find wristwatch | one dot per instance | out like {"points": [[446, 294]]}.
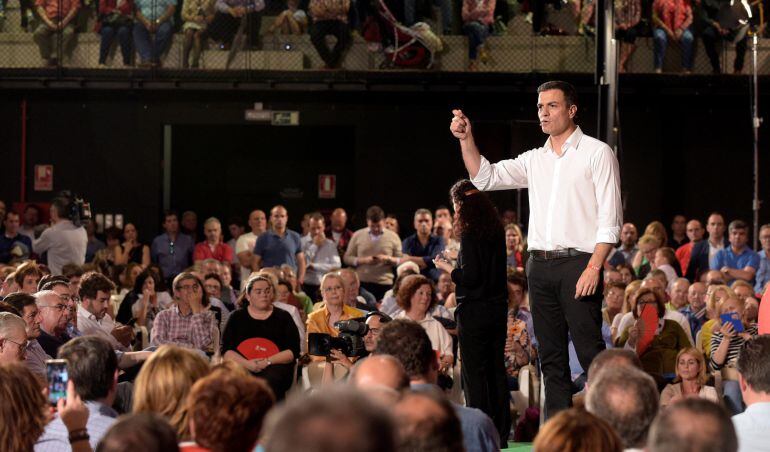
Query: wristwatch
{"points": [[269, 363]]}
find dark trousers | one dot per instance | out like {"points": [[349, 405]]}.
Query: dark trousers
{"points": [[125, 39], [555, 312], [482, 330], [338, 29], [312, 291]]}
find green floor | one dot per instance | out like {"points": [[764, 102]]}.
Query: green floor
{"points": [[519, 447]]}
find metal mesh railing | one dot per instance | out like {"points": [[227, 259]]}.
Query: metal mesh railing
{"points": [[208, 37]]}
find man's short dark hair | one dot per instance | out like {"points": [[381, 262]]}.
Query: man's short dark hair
{"points": [[19, 300], [335, 419], [693, 425], [428, 433], [170, 213], [91, 364], [148, 432], [753, 363], [236, 220], [613, 356], [517, 278], [570, 93], [71, 270], [375, 214], [737, 225], [627, 399], [93, 282], [408, 342]]}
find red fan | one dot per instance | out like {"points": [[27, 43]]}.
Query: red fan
{"points": [[649, 320], [257, 348]]}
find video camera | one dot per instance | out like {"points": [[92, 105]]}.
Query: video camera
{"points": [[350, 340], [76, 209]]}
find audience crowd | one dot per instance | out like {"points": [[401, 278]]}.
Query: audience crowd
{"points": [[147, 27], [332, 339]]}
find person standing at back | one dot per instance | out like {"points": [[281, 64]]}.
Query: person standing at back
{"points": [[575, 219]]}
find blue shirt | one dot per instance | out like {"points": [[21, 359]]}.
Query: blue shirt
{"points": [[479, 432], [763, 274], [173, 257], [276, 250], [434, 247], [695, 322], [153, 9], [753, 428], [20, 241], [55, 438], [726, 257]]}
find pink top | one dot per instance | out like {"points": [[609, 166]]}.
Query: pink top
{"points": [[479, 11]]}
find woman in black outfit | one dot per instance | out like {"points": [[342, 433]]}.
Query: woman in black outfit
{"points": [[481, 294]]}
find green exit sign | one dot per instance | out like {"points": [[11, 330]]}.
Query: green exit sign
{"points": [[285, 118]]}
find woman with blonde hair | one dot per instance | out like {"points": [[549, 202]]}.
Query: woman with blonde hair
{"points": [[690, 379], [657, 229], [515, 247], [164, 382], [628, 295], [715, 294], [575, 430]]}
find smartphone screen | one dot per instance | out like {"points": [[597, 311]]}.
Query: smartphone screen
{"points": [[56, 372]]}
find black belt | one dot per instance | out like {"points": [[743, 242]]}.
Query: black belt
{"points": [[556, 254]]}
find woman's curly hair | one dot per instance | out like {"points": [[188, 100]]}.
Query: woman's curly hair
{"points": [[477, 214], [409, 287]]}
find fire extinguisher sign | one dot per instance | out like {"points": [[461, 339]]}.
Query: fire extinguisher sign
{"points": [[327, 186]]}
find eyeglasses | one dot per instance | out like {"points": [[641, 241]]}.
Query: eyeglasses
{"points": [[58, 307], [333, 288], [65, 298], [23, 345], [194, 287]]}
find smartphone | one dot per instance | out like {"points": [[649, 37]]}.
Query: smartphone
{"points": [[57, 375]]}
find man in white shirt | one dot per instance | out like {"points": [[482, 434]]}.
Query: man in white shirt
{"points": [[244, 246], [753, 425], [65, 242], [93, 319], [575, 220]]}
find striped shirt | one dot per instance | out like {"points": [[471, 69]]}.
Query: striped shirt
{"points": [[736, 342]]}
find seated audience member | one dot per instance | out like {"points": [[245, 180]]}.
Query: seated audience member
{"points": [[188, 323], [330, 17], [292, 21], [195, 14], [284, 294], [165, 381], [131, 250], [226, 410], [657, 286], [726, 345], [684, 253], [144, 301], [355, 295], [627, 16], [518, 344], [627, 399], [228, 295], [625, 253], [275, 275], [389, 303], [715, 295], [659, 358], [737, 261], [517, 297], [677, 294], [381, 377], [627, 274], [375, 321], [64, 242], [763, 273], [614, 296], [321, 256], [666, 261], [417, 299], [146, 432], [172, 250], [116, 18], [263, 339], [391, 223], [444, 287], [611, 358], [426, 421], [93, 368], [229, 17], [574, 430], [410, 344], [153, 29], [212, 284], [289, 275], [93, 318], [373, 251], [643, 259], [213, 247], [244, 246], [27, 276], [693, 425], [60, 286], [34, 355], [422, 246], [478, 17], [13, 244], [656, 229], [334, 419], [24, 412], [742, 289], [54, 315], [753, 425], [515, 247], [695, 309], [280, 245], [338, 230], [690, 379], [13, 338], [56, 24]]}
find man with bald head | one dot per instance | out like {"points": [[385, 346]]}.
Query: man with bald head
{"points": [[244, 246], [280, 245], [677, 294], [695, 310], [408, 342], [694, 230], [693, 424], [624, 254], [338, 230], [382, 377], [54, 312]]}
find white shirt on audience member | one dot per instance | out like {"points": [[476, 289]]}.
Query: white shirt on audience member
{"points": [[88, 324], [753, 428]]}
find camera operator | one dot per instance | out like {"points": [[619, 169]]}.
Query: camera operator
{"points": [[375, 320], [66, 240]]}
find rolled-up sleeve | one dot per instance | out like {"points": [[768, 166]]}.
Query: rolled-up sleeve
{"points": [[503, 175], [606, 179]]}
